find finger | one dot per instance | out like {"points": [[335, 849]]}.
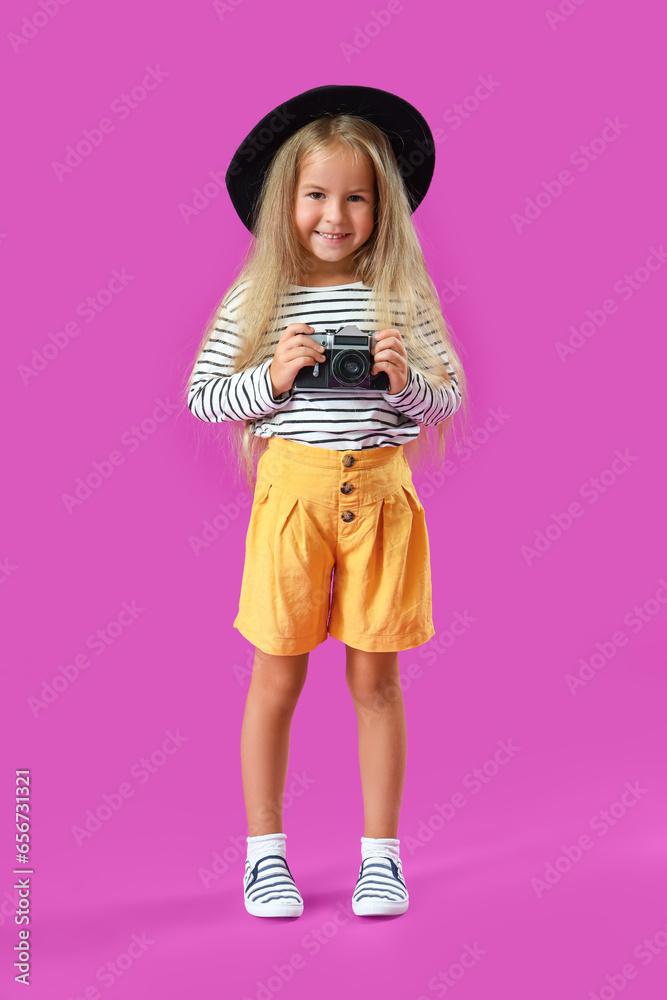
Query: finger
{"points": [[388, 339], [387, 364], [301, 341], [303, 352], [396, 348], [294, 329]]}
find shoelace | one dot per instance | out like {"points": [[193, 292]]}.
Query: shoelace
{"points": [[380, 878], [270, 880]]}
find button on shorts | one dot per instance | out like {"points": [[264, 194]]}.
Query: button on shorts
{"points": [[336, 545]]}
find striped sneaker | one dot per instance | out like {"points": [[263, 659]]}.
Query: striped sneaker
{"points": [[380, 888], [269, 889]]}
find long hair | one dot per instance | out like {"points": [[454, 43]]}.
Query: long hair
{"points": [[391, 262]]}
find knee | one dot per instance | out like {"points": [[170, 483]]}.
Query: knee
{"points": [[280, 678], [374, 694], [283, 691], [373, 678]]}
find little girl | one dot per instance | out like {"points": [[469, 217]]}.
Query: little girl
{"points": [[337, 541]]}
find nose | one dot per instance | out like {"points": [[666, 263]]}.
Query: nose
{"points": [[336, 210]]}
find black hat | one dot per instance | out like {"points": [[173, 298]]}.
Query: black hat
{"points": [[410, 137]]}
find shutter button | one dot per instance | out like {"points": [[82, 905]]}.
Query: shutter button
{"points": [[346, 488], [348, 460], [347, 515]]}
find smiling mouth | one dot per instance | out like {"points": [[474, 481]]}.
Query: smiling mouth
{"points": [[332, 237]]}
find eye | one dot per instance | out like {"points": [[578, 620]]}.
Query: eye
{"points": [[316, 194]]}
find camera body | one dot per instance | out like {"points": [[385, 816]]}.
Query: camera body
{"points": [[346, 364]]}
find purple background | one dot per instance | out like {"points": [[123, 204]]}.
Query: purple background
{"points": [[178, 666]]}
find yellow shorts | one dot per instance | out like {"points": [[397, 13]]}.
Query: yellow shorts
{"points": [[336, 545]]}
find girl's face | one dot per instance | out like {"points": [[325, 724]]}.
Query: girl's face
{"points": [[334, 195]]}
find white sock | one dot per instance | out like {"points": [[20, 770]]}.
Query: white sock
{"points": [[266, 843], [373, 847]]}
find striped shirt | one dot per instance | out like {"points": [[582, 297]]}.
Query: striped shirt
{"points": [[341, 419]]}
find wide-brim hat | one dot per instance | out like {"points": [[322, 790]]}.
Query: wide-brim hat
{"points": [[407, 130]]}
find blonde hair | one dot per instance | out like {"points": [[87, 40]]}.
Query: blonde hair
{"points": [[391, 262]]}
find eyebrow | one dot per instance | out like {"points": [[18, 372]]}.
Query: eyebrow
{"points": [[318, 187]]}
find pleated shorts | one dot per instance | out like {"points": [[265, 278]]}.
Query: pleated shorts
{"points": [[336, 545]]}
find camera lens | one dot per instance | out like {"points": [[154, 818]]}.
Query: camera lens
{"points": [[350, 367]]}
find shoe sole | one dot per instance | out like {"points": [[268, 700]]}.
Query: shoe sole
{"points": [[379, 907], [275, 909]]}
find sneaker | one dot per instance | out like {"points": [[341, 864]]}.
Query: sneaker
{"points": [[269, 889], [380, 888]]}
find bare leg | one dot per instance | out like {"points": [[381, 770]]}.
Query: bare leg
{"points": [[373, 680], [275, 686]]}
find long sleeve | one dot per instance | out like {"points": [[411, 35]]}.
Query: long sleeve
{"points": [[216, 393], [421, 400]]}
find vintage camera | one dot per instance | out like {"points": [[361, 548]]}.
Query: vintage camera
{"points": [[346, 364]]}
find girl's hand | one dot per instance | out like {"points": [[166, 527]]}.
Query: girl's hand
{"points": [[390, 355], [294, 350]]}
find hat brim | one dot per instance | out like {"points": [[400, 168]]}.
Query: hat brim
{"points": [[407, 130]]}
